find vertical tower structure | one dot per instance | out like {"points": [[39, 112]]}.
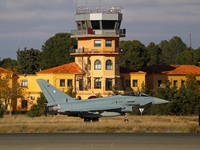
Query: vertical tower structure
{"points": [[98, 33]]}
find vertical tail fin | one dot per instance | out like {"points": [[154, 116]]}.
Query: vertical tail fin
{"points": [[52, 94]]}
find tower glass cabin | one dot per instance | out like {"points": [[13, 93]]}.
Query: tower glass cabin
{"points": [[98, 32]]}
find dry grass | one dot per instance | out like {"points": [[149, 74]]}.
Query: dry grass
{"points": [[136, 124]]}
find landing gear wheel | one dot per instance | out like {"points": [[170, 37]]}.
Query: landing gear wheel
{"points": [[125, 120], [87, 119], [95, 119]]}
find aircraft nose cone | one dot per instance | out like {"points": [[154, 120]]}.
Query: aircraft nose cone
{"points": [[159, 101]]}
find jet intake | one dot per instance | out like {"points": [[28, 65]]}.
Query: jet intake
{"points": [[127, 109]]}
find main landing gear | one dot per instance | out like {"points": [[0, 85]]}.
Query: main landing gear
{"points": [[126, 118], [93, 119]]}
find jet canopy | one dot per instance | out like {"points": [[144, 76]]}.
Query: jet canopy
{"points": [[135, 93]]}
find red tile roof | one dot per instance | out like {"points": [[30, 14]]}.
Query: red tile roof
{"points": [[2, 70], [128, 70], [172, 69], [67, 68]]}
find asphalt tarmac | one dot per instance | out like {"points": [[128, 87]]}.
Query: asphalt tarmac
{"points": [[93, 141]]}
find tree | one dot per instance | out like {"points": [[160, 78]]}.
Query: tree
{"points": [[8, 63], [171, 50], [39, 108], [153, 52], [70, 92], [56, 50], [115, 91], [186, 100], [9, 89], [184, 58], [2, 109], [135, 52], [196, 57], [28, 60]]}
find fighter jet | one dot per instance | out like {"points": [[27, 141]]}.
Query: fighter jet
{"points": [[93, 109]]}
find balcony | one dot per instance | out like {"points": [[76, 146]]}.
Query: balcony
{"points": [[97, 33], [94, 51]]}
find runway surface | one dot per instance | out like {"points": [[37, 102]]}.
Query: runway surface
{"points": [[73, 141]]}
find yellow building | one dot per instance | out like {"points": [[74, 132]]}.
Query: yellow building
{"points": [[61, 77], [158, 75], [11, 78]]}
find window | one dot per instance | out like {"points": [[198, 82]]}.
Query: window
{"points": [[127, 83], [97, 83], [116, 43], [116, 65], [175, 83], [81, 84], [108, 43], [107, 24], [183, 83], [116, 81], [108, 84], [109, 64], [69, 82], [159, 83], [62, 82], [24, 83], [79, 25], [97, 43], [95, 24], [24, 103], [135, 83], [88, 24], [89, 83], [89, 64], [97, 65], [84, 25]]}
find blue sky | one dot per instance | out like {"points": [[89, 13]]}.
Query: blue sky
{"points": [[29, 23]]}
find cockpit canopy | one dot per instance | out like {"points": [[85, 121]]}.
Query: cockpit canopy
{"points": [[135, 93]]}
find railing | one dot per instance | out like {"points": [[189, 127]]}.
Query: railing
{"points": [[84, 10], [121, 32], [87, 50]]}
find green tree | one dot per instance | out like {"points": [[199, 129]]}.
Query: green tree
{"points": [[135, 52], [184, 58], [39, 108], [153, 52], [171, 50], [70, 92], [2, 109], [196, 57], [56, 50], [28, 60], [8, 63], [9, 89]]}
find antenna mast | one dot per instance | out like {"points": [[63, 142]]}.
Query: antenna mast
{"points": [[191, 47]]}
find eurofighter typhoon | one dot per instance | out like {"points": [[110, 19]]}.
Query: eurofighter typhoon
{"points": [[93, 109]]}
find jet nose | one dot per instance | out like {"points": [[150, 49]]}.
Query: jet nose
{"points": [[159, 101]]}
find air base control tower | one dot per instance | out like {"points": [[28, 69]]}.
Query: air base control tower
{"points": [[98, 32]]}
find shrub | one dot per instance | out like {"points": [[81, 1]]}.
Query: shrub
{"points": [[2, 110], [39, 109]]}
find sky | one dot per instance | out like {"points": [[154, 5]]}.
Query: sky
{"points": [[29, 23]]}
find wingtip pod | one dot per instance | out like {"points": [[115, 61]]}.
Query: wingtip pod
{"points": [[159, 101]]}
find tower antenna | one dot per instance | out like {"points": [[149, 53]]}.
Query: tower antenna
{"points": [[191, 46]]}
